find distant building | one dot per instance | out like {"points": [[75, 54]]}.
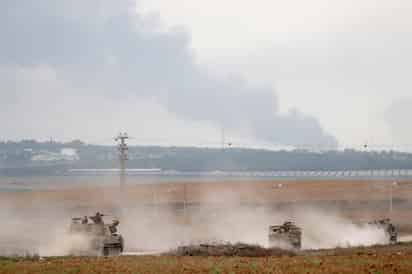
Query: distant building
{"points": [[66, 154]]}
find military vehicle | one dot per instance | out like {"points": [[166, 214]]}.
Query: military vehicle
{"points": [[288, 235], [102, 238], [390, 230]]}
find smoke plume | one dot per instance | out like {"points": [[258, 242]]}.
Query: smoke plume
{"points": [[100, 48]]}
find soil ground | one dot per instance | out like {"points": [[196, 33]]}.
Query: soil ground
{"points": [[356, 200], [390, 259]]}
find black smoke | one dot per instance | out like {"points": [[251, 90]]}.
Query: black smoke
{"points": [[108, 48]]}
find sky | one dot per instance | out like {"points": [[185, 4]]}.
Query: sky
{"points": [[320, 73]]}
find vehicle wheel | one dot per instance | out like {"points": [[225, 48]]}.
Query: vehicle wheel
{"points": [[121, 244], [116, 252], [106, 251]]}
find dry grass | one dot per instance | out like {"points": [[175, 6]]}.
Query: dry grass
{"points": [[227, 249], [364, 260]]}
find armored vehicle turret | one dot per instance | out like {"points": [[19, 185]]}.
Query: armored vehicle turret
{"points": [[288, 235], [102, 238]]}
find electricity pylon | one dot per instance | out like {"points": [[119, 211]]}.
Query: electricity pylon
{"points": [[123, 157]]}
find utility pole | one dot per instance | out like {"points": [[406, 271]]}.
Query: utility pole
{"points": [[368, 159], [185, 218], [123, 157], [223, 138], [392, 185], [184, 201]]}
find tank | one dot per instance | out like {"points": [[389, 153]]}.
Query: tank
{"points": [[285, 235], [100, 238], [390, 230]]}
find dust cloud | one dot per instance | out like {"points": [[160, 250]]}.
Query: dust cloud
{"points": [[41, 228]]}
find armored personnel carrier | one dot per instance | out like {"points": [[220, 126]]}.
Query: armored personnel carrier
{"points": [[102, 238], [390, 230], [287, 234]]}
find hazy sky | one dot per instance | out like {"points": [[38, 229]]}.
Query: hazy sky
{"points": [[176, 72]]}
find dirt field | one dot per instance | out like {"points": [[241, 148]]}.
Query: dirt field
{"points": [[245, 191], [394, 259], [164, 216], [355, 199]]}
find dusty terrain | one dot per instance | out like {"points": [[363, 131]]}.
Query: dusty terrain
{"points": [[159, 217], [393, 259], [354, 199]]}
